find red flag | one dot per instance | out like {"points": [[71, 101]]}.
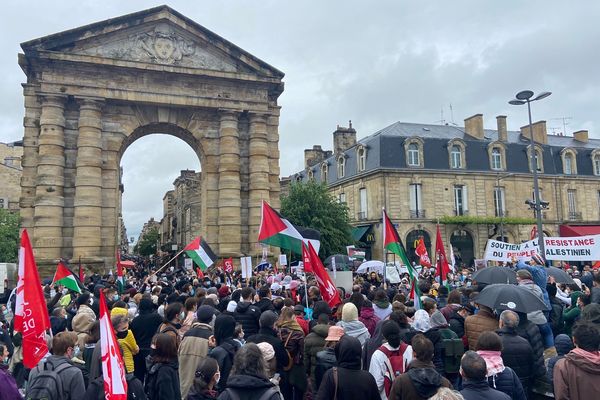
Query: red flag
{"points": [[442, 267], [228, 265], [326, 286], [113, 369], [31, 315], [81, 272], [306, 259], [199, 273], [421, 251]]}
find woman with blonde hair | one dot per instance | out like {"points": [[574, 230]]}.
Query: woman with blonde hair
{"points": [[445, 393]]}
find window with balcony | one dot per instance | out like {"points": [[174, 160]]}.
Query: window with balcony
{"points": [[415, 201], [572, 204], [499, 205], [460, 200]]}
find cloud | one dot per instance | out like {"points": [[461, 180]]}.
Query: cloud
{"points": [[372, 62]]}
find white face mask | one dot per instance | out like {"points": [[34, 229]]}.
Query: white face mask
{"points": [[217, 377]]}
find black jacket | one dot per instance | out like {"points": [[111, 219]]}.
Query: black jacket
{"points": [[144, 327], [166, 386], [556, 316], [518, 355], [508, 382], [269, 335], [224, 354], [247, 315], [248, 387], [481, 391], [457, 324], [438, 346], [529, 331], [352, 382], [325, 359], [264, 304]]}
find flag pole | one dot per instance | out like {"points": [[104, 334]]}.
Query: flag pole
{"points": [[383, 247], [168, 262]]}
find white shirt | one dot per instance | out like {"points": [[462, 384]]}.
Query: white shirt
{"points": [[377, 368]]}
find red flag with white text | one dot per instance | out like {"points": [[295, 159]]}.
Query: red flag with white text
{"points": [[31, 314], [442, 267], [306, 259], [328, 290], [113, 369], [421, 252], [228, 265]]}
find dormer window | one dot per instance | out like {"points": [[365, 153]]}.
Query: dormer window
{"points": [[413, 148], [455, 157], [341, 166], [456, 154], [538, 159], [324, 171], [569, 160], [361, 158], [496, 159], [413, 155], [311, 174], [596, 161]]}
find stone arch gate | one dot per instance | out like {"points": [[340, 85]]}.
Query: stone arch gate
{"points": [[94, 90]]}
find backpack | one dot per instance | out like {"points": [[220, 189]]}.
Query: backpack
{"points": [[47, 384], [453, 352], [394, 365], [233, 395], [150, 384], [290, 363]]}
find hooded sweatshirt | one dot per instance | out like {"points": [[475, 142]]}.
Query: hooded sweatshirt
{"points": [[355, 329], [563, 345], [577, 376], [420, 382], [368, 317], [382, 308]]}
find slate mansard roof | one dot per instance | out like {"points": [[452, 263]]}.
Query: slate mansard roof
{"points": [[385, 150]]}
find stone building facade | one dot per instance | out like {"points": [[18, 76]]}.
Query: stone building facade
{"points": [[92, 91], [181, 220], [10, 175], [472, 178]]}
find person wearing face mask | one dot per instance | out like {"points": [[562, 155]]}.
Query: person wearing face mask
{"points": [[174, 317], [64, 348], [7, 382], [206, 378], [126, 340]]}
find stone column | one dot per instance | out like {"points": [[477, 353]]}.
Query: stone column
{"points": [[259, 185], [229, 185], [49, 195], [273, 146], [87, 237], [31, 124]]}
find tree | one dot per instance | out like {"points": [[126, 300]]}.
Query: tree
{"points": [[310, 205], [9, 236], [147, 244]]}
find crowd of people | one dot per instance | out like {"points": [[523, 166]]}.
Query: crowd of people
{"points": [[273, 337]]}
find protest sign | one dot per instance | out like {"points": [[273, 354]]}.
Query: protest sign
{"points": [[496, 250], [580, 248]]}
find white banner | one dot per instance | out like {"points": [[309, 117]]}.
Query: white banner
{"points": [[246, 263], [189, 264], [283, 259], [580, 248]]}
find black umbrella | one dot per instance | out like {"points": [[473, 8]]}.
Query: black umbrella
{"points": [[559, 275], [491, 275], [342, 262], [501, 296]]}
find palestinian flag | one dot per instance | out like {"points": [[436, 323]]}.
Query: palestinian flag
{"points": [[199, 251], [415, 294], [279, 232], [66, 278], [392, 243], [120, 274]]}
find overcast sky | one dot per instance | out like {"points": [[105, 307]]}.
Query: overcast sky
{"points": [[372, 62]]}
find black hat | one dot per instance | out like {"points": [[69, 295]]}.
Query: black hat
{"points": [[267, 319], [205, 314], [299, 308]]}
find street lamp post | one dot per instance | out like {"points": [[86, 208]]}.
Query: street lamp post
{"points": [[525, 97]]}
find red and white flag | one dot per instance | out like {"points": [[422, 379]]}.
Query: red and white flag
{"points": [[228, 265], [307, 265], [31, 315], [421, 252], [113, 369], [441, 268], [326, 286]]}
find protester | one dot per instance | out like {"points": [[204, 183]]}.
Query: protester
{"points": [[484, 320], [475, 385], [206, 377], [84, 319], [249, 378], [577, 375], [268, 334], [292, 336], [226, 347], [564, 345], [174, 316], [368, 317], [352, 326], [144, 326], [348, 381], [163, 380], [313, 343], [422, 323], [191, 305], [421, 380], [326, 358], [8, 385], [246, 313]]}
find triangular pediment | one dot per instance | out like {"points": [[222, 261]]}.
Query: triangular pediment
{"points": [[159, 35]]}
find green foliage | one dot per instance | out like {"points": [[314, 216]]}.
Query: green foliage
{"points": [[310, 205], [472, 220], [9, 236], [147, 244]]}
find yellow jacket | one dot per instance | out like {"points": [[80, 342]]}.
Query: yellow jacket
{"points": [[130, 349]]}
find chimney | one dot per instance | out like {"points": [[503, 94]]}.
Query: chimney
{"points": [[540, 135], [502, 132], [313, 156], [581, 136], [344, 138], [474, 126]]}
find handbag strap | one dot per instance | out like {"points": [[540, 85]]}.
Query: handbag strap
{"points": [[335, 382], [287, 340]]}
